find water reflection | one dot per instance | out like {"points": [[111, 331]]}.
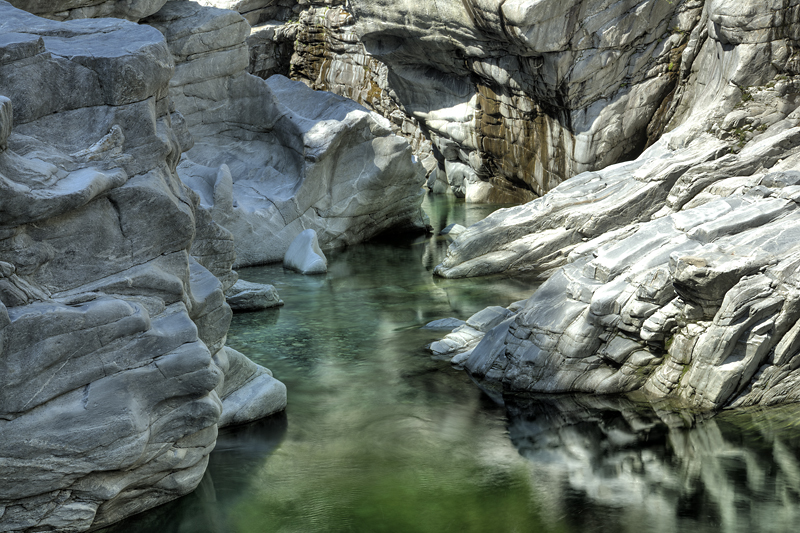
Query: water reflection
{"points": [[378, 436], [237, 456], [611, 464]]}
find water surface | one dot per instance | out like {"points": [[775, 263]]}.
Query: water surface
{"points": [[380, 437]]}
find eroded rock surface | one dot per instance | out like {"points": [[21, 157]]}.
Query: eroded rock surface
{"points": [[113, 319], [675, 273], [500, 99], [271, 159]]}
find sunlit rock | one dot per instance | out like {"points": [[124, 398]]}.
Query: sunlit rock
{"points": [[675, 273], [271, 159]]}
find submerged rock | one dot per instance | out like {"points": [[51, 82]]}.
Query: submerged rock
{"points": [[304, 254]]}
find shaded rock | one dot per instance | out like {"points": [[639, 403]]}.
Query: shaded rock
{"points": [[248, 296], [304, 254]]}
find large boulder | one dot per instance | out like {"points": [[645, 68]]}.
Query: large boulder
{"points": [[271, 159], [112, 312]]}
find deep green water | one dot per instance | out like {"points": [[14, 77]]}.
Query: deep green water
{"points": [[380, 437]]}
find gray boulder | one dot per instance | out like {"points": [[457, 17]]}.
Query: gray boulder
{"points": [[304, 254], [248, 296]]}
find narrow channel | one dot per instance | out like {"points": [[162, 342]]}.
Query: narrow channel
{"points": [[380, 437]]}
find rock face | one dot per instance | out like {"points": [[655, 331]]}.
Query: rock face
{"points": [[114, 376], [676, 273], [272, 159], [502, 99]]}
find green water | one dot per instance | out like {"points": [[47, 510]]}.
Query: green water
{"points": [[380, 437]]}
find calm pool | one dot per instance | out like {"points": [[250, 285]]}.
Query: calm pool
{"points": [[380, 437]]}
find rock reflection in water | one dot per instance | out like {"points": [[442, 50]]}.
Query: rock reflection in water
{"points": [[240, 450], [378, 437], [611, 464]]}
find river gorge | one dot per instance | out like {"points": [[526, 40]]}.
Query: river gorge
{"points": [[399, 265], [380, 436]]}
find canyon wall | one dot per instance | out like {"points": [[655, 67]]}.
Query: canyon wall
{"points": [[674, 274], [501, 99], [114, 374], [140, 163]]}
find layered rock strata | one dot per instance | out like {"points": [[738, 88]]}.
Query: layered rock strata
{"points": [[271, 159], [676, 273], [114, 375]]}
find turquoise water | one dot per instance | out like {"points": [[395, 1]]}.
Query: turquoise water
{"points": [[380, 437]]}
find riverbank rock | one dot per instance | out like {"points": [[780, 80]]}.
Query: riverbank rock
{"points": [[248, 391], [674, 274], [271, 159], [304, 254], [112, 311], [248, 296]]}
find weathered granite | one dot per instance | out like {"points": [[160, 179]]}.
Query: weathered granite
{"points": [[271, 159], [674, 273], [113, 319]]}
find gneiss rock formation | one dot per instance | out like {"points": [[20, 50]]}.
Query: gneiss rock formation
{"points": [[114, 374], [270, 160], [500, 98], [677, 273]]}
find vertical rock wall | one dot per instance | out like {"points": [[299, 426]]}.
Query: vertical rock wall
{"points": [[114, 374], [676, 273], [509, 98]]}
